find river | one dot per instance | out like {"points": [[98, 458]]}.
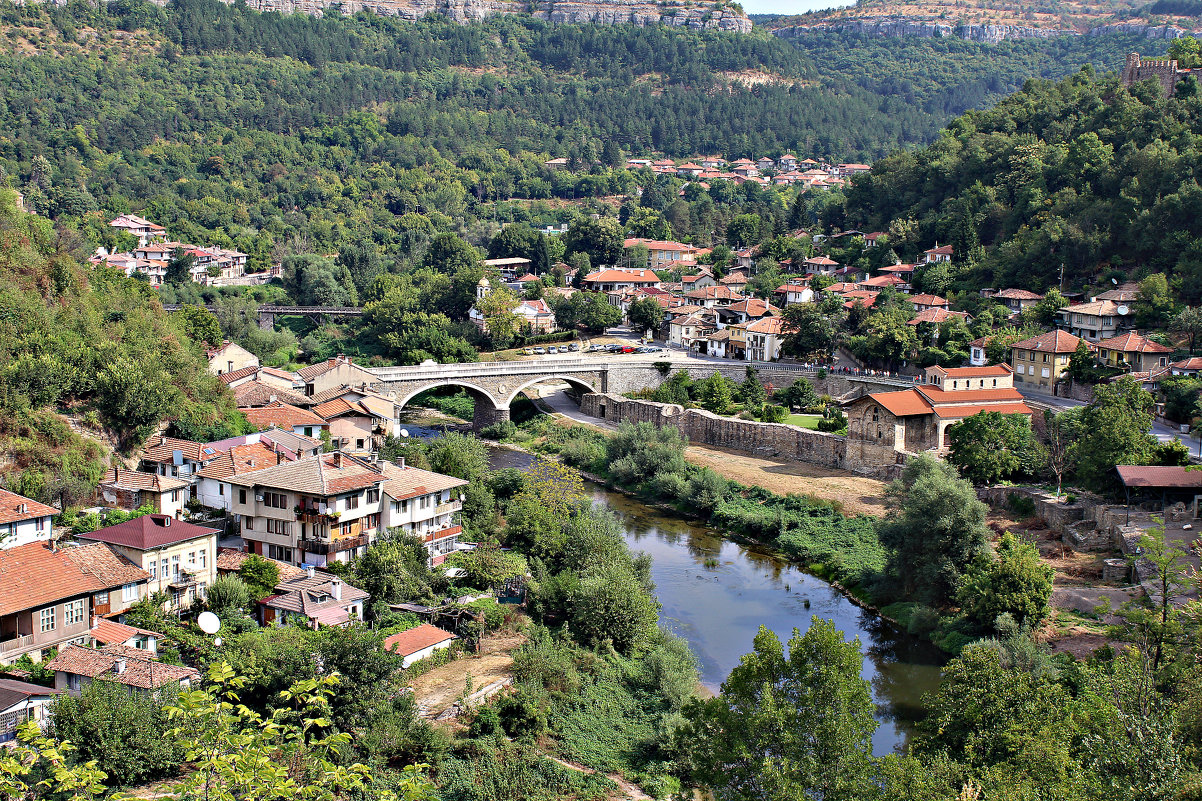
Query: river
{"points": [[716, 594]]}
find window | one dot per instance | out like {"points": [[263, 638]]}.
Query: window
{"points": [[308, 431], [153, 569], [277, 527], [241, 496], [174, 495], [279, 552], [191, 558], [352, 502], [47, 619], [220, 489], [373, 495], [175, 566], [202, 557], [1022, 370], [275, 500], [73, 613], [1045, 358], [42, 520], [404, 505], [102, 598], [1046, 372], [358, 444], [166, 565]]}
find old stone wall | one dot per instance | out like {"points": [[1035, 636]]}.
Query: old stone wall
{"points": [[1058, 515], [761, 439]]}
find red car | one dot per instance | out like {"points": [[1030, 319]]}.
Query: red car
{"points": [[628, 349]]}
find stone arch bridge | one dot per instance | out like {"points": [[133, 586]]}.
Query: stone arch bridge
{"points": [[495, 385]]}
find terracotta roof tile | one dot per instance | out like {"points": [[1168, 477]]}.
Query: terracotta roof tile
{"points": [[33, 575], [148, 532], [240, 459], [953, 412], [322, 475], [234, 375], [1052, 342], [1133, 343], [137, 480], [409, 642], [110, 632], [1017, 294], [14, 507], [257, 393], [160, 449], [410, 482], [280, 415], [230, 561], [140, 670], [905, 403], [928, 300]]}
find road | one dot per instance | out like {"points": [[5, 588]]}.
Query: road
{"points": [[1161, 431]]}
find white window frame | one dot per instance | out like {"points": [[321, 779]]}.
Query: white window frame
{"points": [[47, 619]]}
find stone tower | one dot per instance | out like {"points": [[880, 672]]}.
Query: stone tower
{"points": [[1163, 70]]}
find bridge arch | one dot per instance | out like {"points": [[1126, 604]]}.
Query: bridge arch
{"points": [[486, 411], [570, 380]]}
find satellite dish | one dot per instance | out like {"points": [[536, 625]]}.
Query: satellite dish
{"points": [[1114, 281], [404, 433], [1124, 311], [209, 623]]}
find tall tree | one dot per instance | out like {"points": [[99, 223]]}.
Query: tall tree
{"points": [[1115, 429], [795, 725]]}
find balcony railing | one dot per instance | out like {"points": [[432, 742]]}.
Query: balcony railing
{"points": [[441, 533], [325, 547], [448, 507], [24, 641]]}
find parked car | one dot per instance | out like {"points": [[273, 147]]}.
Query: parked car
{"points": [[654, 349], [614, 348], [552, 349], [527, 351], [540, 351], [628, 349], [573, 347]]}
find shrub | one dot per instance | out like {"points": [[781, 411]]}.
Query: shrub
{"points": [[833, 421], [1020, 505], [670, 486], [583, 453], [499, 431]]}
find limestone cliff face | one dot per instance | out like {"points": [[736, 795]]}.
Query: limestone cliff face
{"points": [[989, 34], [924, 29], [637, 12]]}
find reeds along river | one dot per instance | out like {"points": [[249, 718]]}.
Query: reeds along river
{"points": [[716, 594]]}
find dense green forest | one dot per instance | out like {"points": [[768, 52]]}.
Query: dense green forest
{"points": [[278, 134], [1080, 175]]}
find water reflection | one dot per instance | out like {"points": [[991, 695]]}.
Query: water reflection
{"points": [[716, 594]]}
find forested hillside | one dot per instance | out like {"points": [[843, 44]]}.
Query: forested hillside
{"points": [[1080, 174], [256, 130], [95, 347]]}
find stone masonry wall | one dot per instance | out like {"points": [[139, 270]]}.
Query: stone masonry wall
{"points": [[761, 439]]}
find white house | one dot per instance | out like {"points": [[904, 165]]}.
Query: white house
{"points": [[21, 702], [423, 504], [23, 520], [418, 643]]}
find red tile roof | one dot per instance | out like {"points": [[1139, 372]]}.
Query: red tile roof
{"points": [[937, 314], [118, 663], [956, 412], [1017, 294], [1133, 343], [280, 415], [938, 396], [235, 375], [137, 480], [409, 642], [33, 575], [240, 459], [612, 276], [14, 508], [1052, 342], [1159, 477], [906, 403], [160, 449], [928, 300], [942, 250], [110, 632], [148, 532], [989, 371], [1192, 363]]}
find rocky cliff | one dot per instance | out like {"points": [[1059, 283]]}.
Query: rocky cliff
{"points": [[636, 12], [924, 29], [989, 34]]}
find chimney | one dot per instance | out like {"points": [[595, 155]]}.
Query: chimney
{"points": [[119, 667], [166, 521], [271, 398], [311, 572], [336, 589], [402, 463]]}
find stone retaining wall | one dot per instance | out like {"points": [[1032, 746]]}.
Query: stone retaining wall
{"points": [[1058, 515], [760, 439]]}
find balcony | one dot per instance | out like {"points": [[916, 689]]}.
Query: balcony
{"points": [[20, 643], [326, 547], [448, 507], [184, 579], [442, 533]]}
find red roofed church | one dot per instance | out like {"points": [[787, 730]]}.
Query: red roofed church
{"points": [[917, 420]]}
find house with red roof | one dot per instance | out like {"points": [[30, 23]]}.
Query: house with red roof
{"points": [[937, 254], [310, 511], [76, 667], [1016, 299], [664, 254], [418, 643], [121, 488], [1133, 352], [230, 356], [287, 417], [212, 482], [336, 372], [425, 505], [916, 420], [1041, 361], [49, 594], [820, 265], [885, 280], [610, 279], [796, 290], [180, 558], [923, 302], [24, 520]]}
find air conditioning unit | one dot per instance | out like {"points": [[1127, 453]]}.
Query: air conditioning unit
{"points": [[259, 498]]}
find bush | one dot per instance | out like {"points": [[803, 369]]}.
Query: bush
{"points": [[669, 486], [583, 453], [499, 431], [1020, 505], [833, 421], [227, 594]]}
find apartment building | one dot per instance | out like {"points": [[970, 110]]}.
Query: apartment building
{"points": [[425, 505], [24, 520]]}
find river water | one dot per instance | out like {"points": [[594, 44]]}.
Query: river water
{"points": [[716, 594]]}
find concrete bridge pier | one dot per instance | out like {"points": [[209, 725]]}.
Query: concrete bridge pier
{"points": [[486, 415], [266, 320]]}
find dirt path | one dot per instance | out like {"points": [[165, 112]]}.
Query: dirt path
{"points": [[858, 494], [627, 789], [435, 691]]}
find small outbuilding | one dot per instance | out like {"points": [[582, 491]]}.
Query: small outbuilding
{"points": [[418, 643]]}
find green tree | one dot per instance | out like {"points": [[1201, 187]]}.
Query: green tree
{"points": [[1154, 305], [124, 732], [935, 528], [890, 339], [991, 446], [260, 576], [743, 231], [751, 392], [500, 320], [227, 594], [645, 314], [179, 267], [601, 240], [714, 393], [796, 725], [814, 329], [1114, 430], [459, 455], [1188, 323], [798, 395], [1015, 581], [198, 324]]}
